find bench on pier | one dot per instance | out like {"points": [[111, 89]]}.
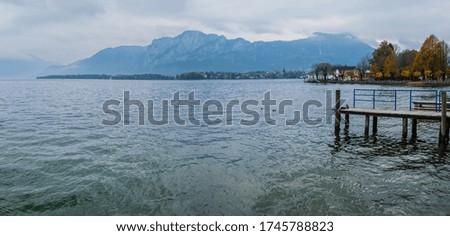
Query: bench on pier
{"points": [[427, 105]]}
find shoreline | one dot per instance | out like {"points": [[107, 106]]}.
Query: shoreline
{"points": [[423, 84], [427, 83]]}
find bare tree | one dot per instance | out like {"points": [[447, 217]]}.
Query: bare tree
{"points": [[325, 68], [363, 65], [444, 58]]}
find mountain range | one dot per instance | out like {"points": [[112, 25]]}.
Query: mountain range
{"points": [[197, 51]]}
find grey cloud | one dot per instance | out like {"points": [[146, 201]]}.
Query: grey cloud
{"points": [[32, 13], [155, 7], [52, 28]]}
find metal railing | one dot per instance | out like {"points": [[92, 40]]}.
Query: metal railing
{"points": [[396, 98]]}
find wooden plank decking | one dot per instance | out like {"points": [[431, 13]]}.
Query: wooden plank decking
{"points": [[416, 114]]}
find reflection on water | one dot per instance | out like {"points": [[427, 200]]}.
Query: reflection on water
{"points": [[56, 158], [402, 165]]}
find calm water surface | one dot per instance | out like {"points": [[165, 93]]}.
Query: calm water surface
{"points": [[57, 159]]}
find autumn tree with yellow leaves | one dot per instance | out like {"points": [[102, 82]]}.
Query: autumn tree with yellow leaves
{"points": [[406, 63], [432, 59], [384, 61], [430, 62]]}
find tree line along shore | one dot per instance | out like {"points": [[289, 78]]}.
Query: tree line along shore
{"points": [[388, 62]]}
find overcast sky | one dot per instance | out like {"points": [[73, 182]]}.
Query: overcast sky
{"points": [[64, 31]]}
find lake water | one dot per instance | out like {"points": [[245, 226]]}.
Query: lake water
{"points": [[56, 158]]}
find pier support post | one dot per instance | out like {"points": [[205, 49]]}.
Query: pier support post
{"points": [[375, 125], [405, 128], [366, 125], [347, 121], [337, 115], [414, 128], [443, 134]]}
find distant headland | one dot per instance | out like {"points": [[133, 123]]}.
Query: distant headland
{"points": [[190, 76]]}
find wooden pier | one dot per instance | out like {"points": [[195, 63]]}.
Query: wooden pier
{"points": [[414, 115]]}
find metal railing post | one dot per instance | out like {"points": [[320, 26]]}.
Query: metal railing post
{"points": [[373, 99], [410, 100], [395, 100], [437, 100]]}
